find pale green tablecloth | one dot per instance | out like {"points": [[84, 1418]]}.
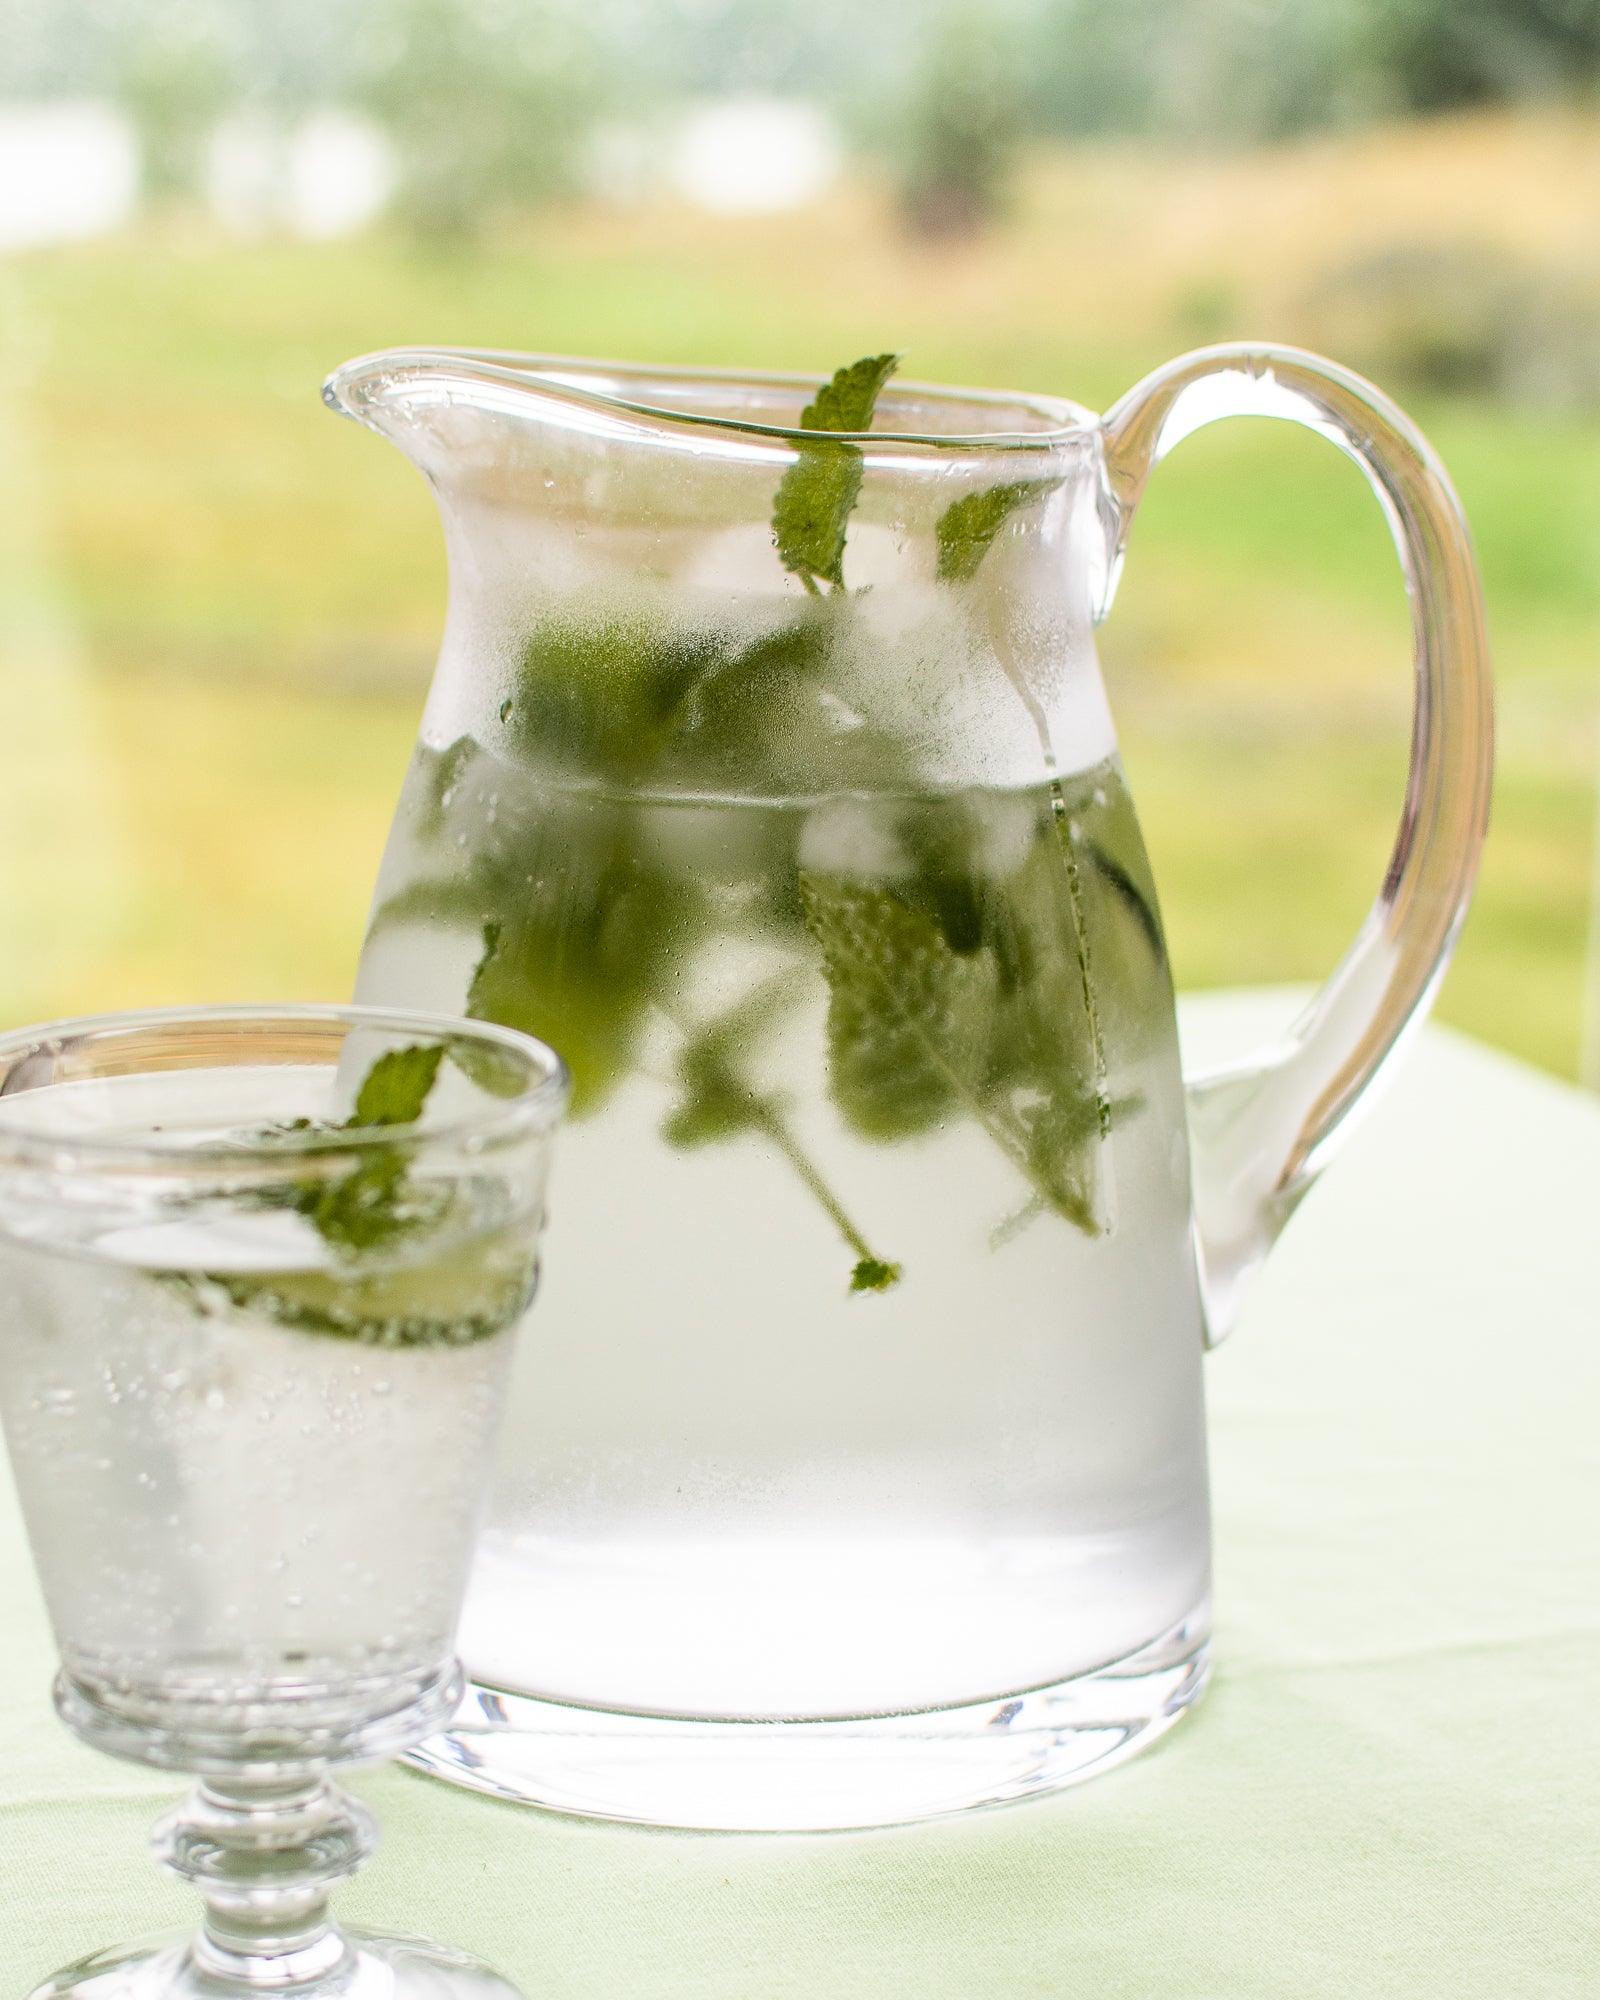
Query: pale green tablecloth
{"points": [[1390, 1790]]}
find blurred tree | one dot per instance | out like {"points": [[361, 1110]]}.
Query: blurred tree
{"points": [[175, 85], [959, 137], [1448, 52], [487, 107], [1231, 70]]}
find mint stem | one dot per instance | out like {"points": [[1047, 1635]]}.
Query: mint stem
{"points": [[778, 1132], [1080, 935]]}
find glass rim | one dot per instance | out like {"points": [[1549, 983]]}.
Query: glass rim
{"points": [[528, 1112], [357, 386]]}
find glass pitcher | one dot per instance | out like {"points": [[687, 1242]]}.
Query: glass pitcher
{"points": [[768, 773]]}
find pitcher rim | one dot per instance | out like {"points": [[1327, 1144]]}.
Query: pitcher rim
{"points": [[357, 386]]}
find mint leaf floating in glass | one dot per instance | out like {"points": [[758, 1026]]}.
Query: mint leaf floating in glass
{"points": [[396, 1087], [254, 1467]]}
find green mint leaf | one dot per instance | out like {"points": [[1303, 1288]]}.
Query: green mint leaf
{"points": [[817, 494], [719, 1102], [368, 1206], [847, 402], [1140, 906], [607, 699], [397, 1086], [471, 1293], [871, 1274], [374, 1202], [588, 921], [908, 1018], [816, 498], [967, 527]]}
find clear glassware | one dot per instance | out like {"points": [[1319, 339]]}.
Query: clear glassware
{"points": [[261, 1273], [768, 770]]}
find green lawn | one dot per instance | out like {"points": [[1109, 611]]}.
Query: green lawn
{"points": [[218, 605]]}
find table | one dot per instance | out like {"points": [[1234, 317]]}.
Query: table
{"points": [[1391, 1788]]}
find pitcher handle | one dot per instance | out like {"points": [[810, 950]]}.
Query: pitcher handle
{"points": [[1263, 1129]]}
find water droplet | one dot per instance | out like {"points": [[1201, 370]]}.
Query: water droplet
{"points": [[505, 710]]}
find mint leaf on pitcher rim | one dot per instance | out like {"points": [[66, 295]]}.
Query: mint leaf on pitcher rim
{"points": [[818, 493]]}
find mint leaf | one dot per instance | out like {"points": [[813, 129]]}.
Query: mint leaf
{"points": [[908, 1018], [397, 1086], [590, 921], [818, 493], [847, 402], [953, 991], [967, 527], [719, 1102], [471, 1293], [871, 1274], [607, 698], [815, 500], [370, 1205]]}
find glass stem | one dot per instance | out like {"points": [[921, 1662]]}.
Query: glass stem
{"points": [[262, 1857]]}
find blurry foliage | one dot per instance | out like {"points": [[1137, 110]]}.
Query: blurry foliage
{"points": [[959, 134], [175, 87], [487, 109], [1448, 52], [1464, 318], [1263, 69], [491, 102], [1232, 69]]}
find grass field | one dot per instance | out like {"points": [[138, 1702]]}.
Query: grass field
{"points": [[218, 605]]}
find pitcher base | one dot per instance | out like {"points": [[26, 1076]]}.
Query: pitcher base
{"points": [[815, 1777]]}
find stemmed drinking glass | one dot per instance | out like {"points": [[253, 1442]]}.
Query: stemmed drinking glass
{"points": [[261, 1271]]}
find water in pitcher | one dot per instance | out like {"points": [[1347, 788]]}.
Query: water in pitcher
{"points": [[839, 1404]]}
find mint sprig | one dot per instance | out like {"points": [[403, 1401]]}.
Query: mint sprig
{"points": [[818, 492], [964, 953], [965, 531], [397, 1085], [719, 1102]]}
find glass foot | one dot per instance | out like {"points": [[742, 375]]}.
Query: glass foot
{"points": [[362, 1968], [262, 1853], [815, 1777]]}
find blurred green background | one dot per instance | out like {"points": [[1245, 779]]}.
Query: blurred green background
{"points": [[218, 605]]}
